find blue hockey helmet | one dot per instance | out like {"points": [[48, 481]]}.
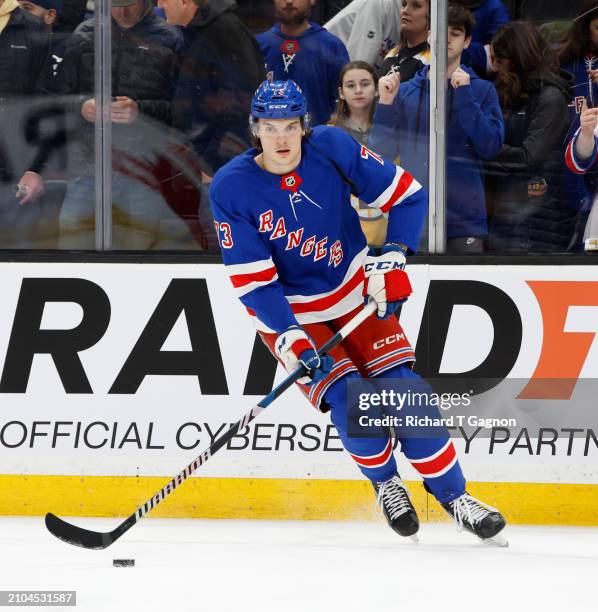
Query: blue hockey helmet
{"points": [[278, 100]]}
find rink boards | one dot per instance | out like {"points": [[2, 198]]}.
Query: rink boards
{"points": [[114, 376]]}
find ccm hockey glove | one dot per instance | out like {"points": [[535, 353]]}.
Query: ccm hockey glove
{"points": [[294, 348], [386, 281]]}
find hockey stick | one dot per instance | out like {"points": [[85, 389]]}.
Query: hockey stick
{"points": [[78, 536]]}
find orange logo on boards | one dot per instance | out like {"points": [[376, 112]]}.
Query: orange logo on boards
{"points": [[563, 353]]}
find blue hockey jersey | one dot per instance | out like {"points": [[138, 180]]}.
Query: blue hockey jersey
{"points": [[313, 60], [293, 245]]}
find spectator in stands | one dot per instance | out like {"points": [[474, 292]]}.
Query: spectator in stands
{"points": [[581, 158], [578, 55], [46, 10], [357, 93], [413, 51], [475, 132], [297, 49], [354, 112], [144, 52], [31, 184], [490, 16], [368, 28], [529, 209], [221, 67], [24, 44]]}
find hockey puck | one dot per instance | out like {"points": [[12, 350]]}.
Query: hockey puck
{"points": [[123, 562]]}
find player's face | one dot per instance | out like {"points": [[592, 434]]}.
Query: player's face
{"points": [[293, 12], [414, 16], [358, 89], [594, 33], [128, 16], [281, 144], [457, 43]]}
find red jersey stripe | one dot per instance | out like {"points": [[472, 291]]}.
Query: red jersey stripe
{"points": [[437, 464], [402, 186], [570, 160], [330, 300], [377, 460], [240, 280]]}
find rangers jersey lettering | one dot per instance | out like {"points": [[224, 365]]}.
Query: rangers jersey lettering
{"points": [[292, 245]]}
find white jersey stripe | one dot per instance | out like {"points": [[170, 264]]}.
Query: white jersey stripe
{"points": [[358, 262], [387, 193], [249, 268], [415, 186], [249, 287]]}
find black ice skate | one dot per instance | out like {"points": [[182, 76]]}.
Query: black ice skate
{"points": [[393, 497], [477, 518]]}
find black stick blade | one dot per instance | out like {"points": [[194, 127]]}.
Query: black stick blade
{"points": [[77, 536]]}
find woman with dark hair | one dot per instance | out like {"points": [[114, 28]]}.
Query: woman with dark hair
{"points": [[354, 113], [413, 51], [528, 208]]}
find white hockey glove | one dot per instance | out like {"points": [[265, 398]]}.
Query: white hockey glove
{"points": [[294, 348], [386, 281]]}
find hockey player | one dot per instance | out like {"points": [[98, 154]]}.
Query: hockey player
{"points": [[298, 260]]}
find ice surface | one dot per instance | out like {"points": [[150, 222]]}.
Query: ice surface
{"points": [[265, 566]]}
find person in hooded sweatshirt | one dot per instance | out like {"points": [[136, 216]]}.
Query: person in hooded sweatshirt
{"points": [[298, 49], [475, 132]]}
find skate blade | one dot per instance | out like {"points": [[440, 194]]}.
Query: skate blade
{"points": [[498, 541], [414, 538]]}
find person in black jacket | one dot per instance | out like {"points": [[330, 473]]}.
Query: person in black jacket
{"points": [[144, 52], [24, 45], [529, 210], [31, 184], [221, 67]]}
